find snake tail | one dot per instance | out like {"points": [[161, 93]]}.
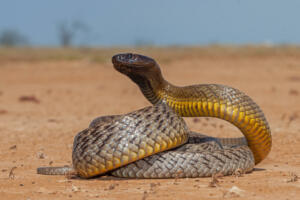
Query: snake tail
{"points": [[56, 170]]}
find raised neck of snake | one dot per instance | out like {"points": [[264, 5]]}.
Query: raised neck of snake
{"points": [[206, 100], [154, 87]]}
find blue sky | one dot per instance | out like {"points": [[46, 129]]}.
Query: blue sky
{"points": [[160, 22]]}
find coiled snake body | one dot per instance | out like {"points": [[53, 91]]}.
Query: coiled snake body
{"points": [[134, 145]]}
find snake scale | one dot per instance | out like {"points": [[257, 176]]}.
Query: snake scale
{"points": [[155, 142]]}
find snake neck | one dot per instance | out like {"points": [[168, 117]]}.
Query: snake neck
{"points": [[211, 100], [152, 87]]}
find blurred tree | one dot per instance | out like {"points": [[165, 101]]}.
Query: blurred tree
{"points": [[10, 38], [67, 32]]}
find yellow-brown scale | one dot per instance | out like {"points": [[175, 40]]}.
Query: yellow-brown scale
{"points": [[249, 118], [103, 148], [131, 156]]}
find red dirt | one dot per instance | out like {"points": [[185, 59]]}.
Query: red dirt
{"points": [[72, 93]]}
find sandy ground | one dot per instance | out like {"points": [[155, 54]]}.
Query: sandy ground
{"points": [[44, 104]]}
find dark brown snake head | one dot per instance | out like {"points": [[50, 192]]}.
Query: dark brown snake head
{"points": [[135, 64]]}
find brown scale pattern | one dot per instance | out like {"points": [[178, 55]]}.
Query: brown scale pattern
{"points": [[109, 145]]}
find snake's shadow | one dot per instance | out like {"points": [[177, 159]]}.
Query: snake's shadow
{"points": [[110, 177], [101, 178]]}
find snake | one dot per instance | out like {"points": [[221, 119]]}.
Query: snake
{"points": [[155, 142]]}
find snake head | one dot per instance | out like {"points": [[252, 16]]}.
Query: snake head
{"points": [[134, 64]]}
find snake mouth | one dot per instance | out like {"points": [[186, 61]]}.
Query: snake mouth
{"points": [[129, 63]]}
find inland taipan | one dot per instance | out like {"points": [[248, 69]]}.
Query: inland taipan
{"points": [[155, 142]]}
